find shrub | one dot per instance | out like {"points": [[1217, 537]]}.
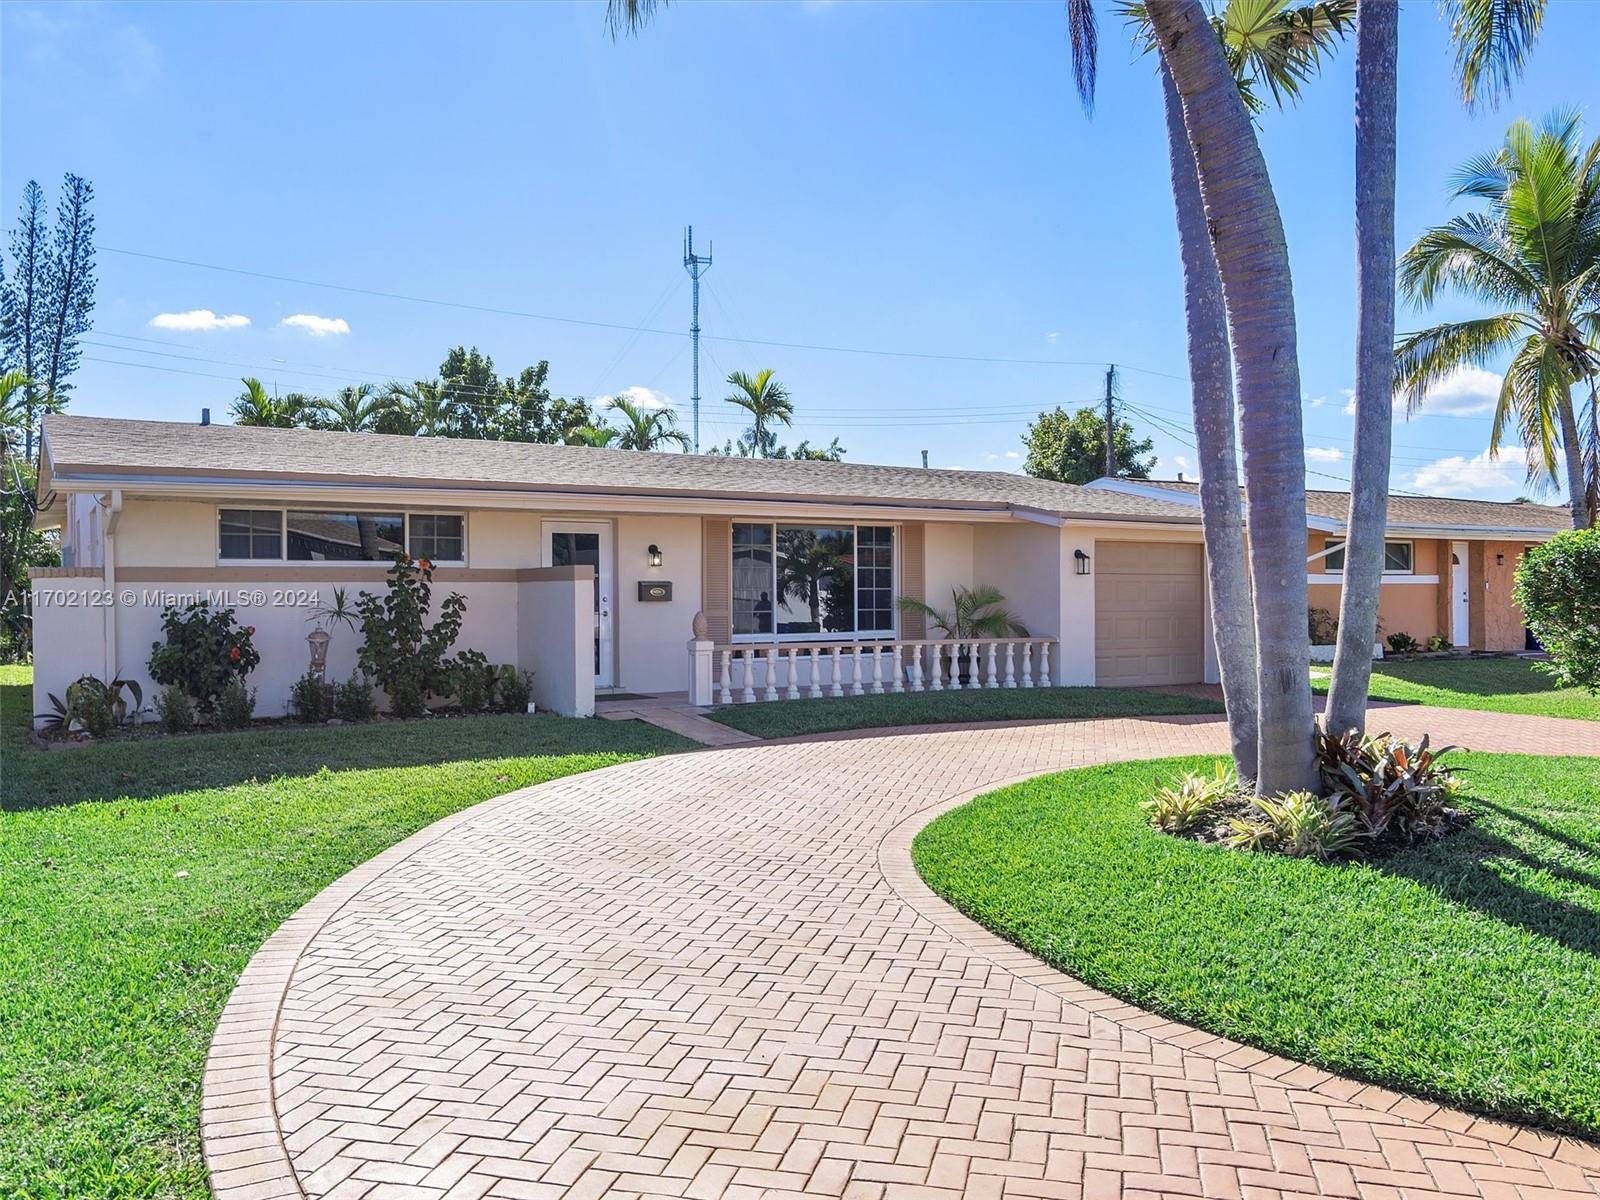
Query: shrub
{"points": [[1179, 809], [175, 709], [236, 706], [1438, 642], [203, 652], [513, 689], [308, 698], [1299, 824], [472, 680], [92, 704], [352, 699], [1390, 787], [1558, 587], [1403, 643], [400, 649], [1323, 627]]}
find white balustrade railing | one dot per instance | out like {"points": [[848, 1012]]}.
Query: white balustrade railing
{"points": [[752, 672]]}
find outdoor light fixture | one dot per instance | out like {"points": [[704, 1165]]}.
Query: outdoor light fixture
{"points": [[654, 555], [1082, 560], [1499, 560]]}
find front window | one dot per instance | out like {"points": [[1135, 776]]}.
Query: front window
{"points": [[438, 538], [345, 536], [1396, 557], [250, 533], [813, 581]]}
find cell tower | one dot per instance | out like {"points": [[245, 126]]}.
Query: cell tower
{"points": [[697, 265]]}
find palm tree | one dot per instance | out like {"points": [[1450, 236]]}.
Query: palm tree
{"points": [[592, 435], [1252, 261], [356, 409], [1492, 38], [256, 406], [1272, 48], [1535, 256], [766, 400], [13, 412], [416, 409], [645, 429]]}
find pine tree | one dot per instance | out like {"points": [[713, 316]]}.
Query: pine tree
{"points": [[70, 295], [24, 302]]}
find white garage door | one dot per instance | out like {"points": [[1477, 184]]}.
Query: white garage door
{"points": [[1149, 621]]}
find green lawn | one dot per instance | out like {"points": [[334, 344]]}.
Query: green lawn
{"points": [[1510, 685], [790, 718], [137, 878], [1465, 971]]}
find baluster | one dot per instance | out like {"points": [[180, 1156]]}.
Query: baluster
{"points": [[855, 670], [792, 692], [725, 696], [835, 687], [1044, 664], [994, 652], [936, 680], [955, 666], [771, 660], [749, 663], [1011, 665], [897, 678], [877, 670], [1027, 664], [815, 688], [916, 667]]}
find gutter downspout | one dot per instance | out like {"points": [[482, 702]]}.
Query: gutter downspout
{"points": [[109, 574]]}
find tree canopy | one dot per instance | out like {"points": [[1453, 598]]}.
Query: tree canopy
{"points": [[1071, 447]]}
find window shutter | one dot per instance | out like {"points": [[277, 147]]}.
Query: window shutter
{"points": [[913, 578], [716, 577]]}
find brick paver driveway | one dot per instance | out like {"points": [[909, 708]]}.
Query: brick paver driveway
{"points": [[717, 975]]}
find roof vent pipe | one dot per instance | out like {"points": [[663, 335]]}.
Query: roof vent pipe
{"points": [[1180, 476], [924, 460], [205, 416]]}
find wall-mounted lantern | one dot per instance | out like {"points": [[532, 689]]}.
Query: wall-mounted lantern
{"points": [[653, 555], [1082, 561]]}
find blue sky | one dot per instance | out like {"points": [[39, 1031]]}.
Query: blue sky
{"points": [[878, 177]]}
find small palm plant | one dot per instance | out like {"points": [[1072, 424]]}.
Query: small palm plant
{"points": [[975, 612], [643, 428]]}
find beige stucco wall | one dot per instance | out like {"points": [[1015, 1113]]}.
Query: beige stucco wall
{"points": [[948, 560], [652, 636]]}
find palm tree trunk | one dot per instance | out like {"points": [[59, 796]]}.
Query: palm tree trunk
{"points": [[1572, 447], [1211, 380], [1377, 56], [1253, 262]]}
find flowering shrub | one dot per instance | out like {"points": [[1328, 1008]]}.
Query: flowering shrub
{"points": [[400, 649], [203, 653]]}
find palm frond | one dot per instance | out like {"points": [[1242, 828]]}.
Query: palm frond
{"points": [[630, 16], [1471, 253], [1424, 358], [1534, 390], [1492, 40], [1084, 35]]}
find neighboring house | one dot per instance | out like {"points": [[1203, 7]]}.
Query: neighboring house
{"points": [[1448, 564], [592, 566]]}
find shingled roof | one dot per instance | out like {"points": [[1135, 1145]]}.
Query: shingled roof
{"points": [[110, 449], [1417, 511]]}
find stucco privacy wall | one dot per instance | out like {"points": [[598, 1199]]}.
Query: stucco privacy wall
{"points": [[651, 634]]}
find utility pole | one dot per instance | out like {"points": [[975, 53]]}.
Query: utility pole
{"points": [[697, 266], [1111, 422]]}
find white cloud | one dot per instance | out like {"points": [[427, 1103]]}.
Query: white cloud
{"points": [[1052, 338], [1458, 475], [1314, 401], [317, 326], [1013, 454], [1349, 395], [198, 320], [1327, 454], [1466, 392], [642, 397]]}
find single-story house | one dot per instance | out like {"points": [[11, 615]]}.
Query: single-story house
{"points": [[620, 571]]}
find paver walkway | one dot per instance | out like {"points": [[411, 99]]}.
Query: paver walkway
{"points": [[717, 974]]}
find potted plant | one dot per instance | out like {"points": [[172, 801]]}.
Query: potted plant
{"points": [[975, 612]]}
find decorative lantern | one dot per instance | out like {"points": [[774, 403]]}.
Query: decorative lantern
{"points": [[319, 639]]}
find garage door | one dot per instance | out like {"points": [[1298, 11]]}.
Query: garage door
{"points": [[1149, 621]]}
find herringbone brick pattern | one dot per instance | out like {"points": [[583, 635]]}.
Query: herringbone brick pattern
{"points": [[717, 975]]}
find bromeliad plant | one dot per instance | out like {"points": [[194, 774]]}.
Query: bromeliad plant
{"points": [[1394, 790], [401, 650], [1298, 824], [93, 705], [1179, 809]]}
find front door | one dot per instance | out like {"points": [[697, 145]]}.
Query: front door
{"points": [[1460, 633], [587, 543]]}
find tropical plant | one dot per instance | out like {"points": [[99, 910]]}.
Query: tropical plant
{"points": [[1558, 586], [592, 435], [1534, 254], [175, 709], [204, 651], [1437, 642], [1402, 643], [975, 612], [400, 649], [358, 408], [1071, 448], [1391, 787], [513, 689], [256, 406], [1179, 809], [472, 680], [645, 428], [236, 705], [768, 403], [308, 698], [1297, 824], [93, 704]]}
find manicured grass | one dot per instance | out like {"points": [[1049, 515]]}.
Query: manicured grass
{"points": [[1466, 971], [1510, 685], [791, 718], [137, 878]]}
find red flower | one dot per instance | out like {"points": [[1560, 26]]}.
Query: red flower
{"points": [[424, 564], [250, 629], [233, 654]]}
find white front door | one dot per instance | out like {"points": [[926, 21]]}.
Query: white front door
{"points": [[587, 543], [1459, 613]]}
